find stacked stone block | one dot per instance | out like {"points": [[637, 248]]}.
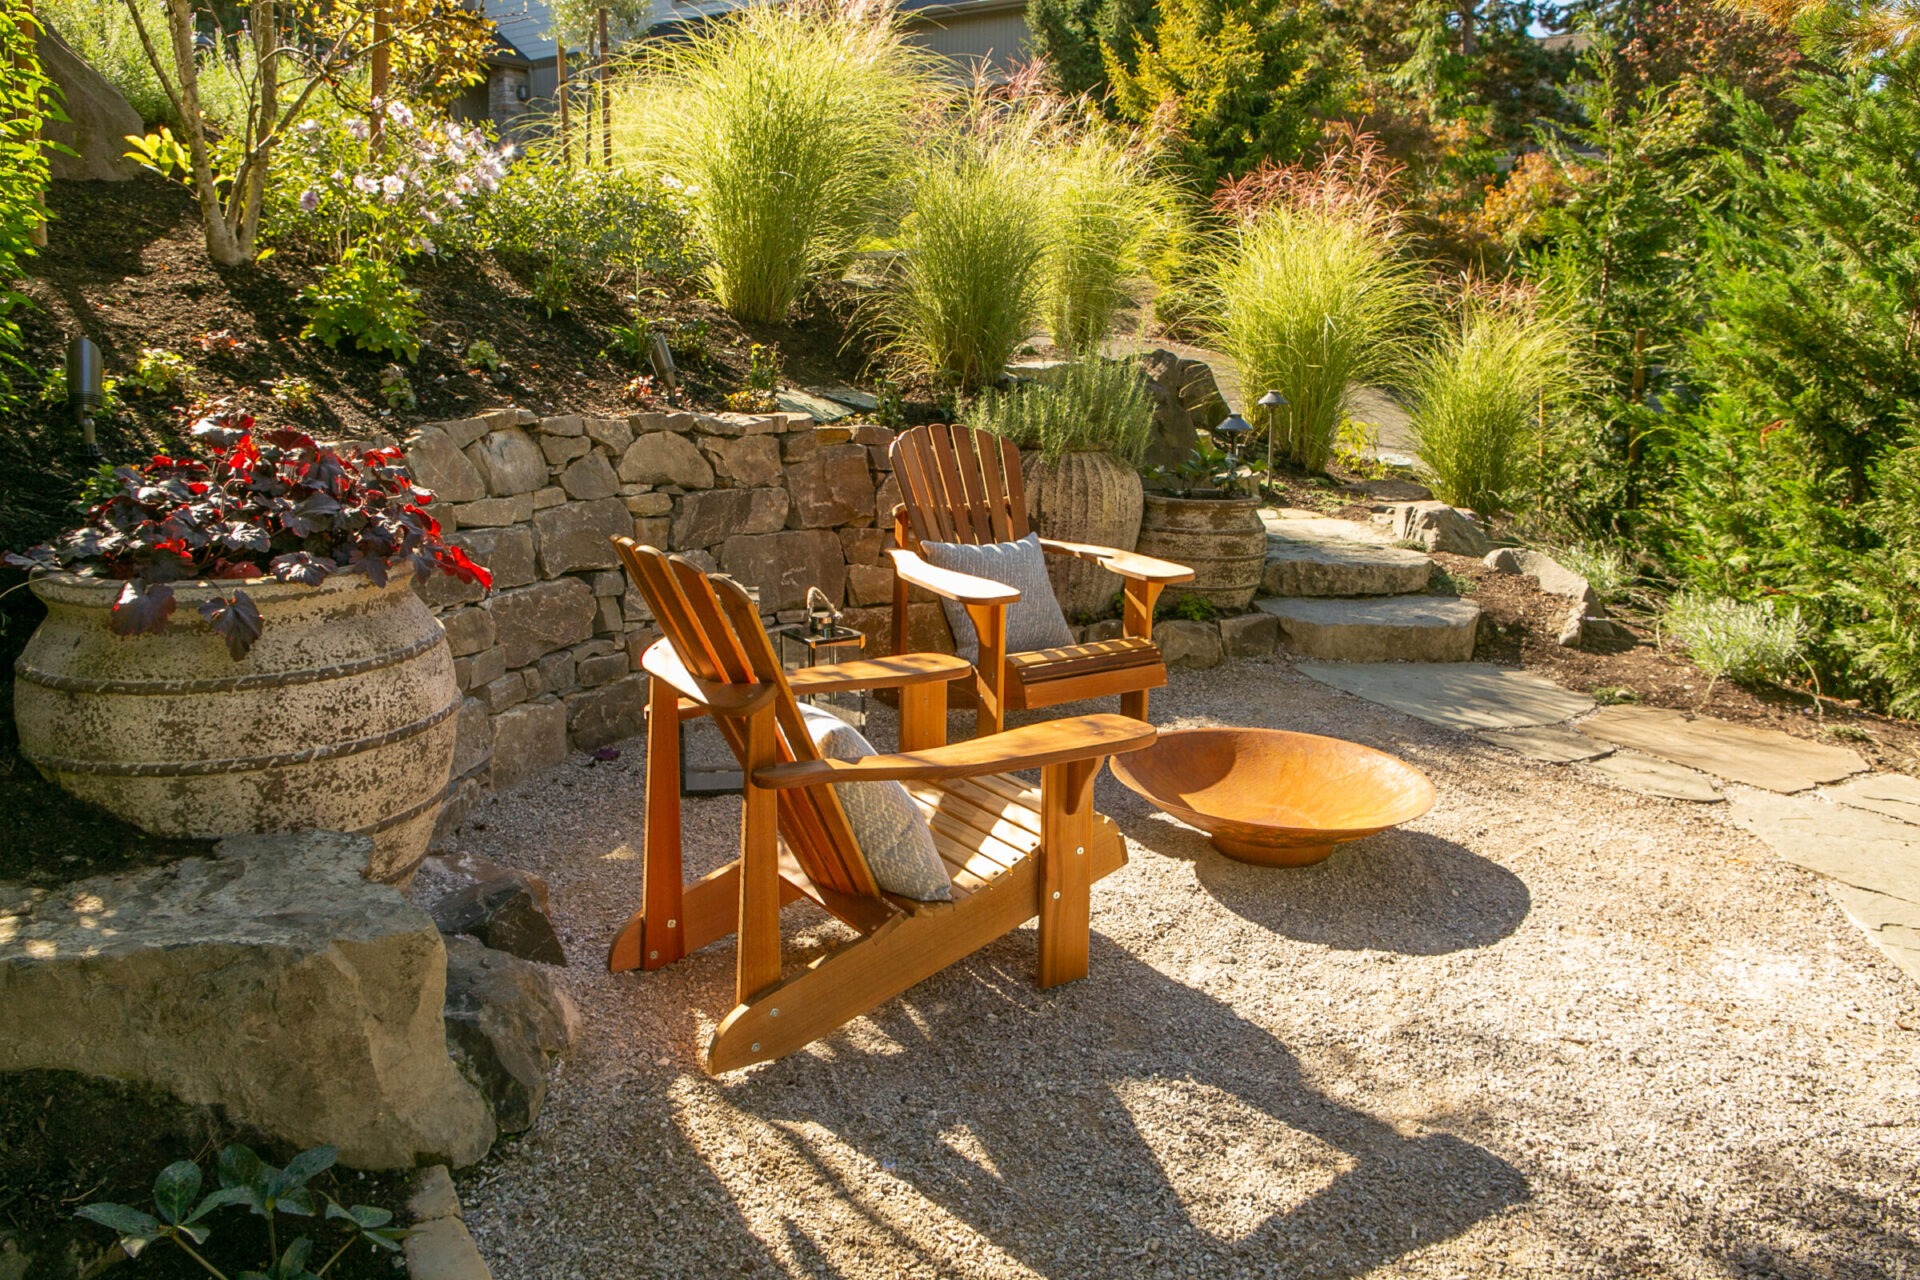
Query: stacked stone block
{"points": [[549, 660]]}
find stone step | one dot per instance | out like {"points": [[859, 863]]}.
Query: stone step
{"points": [[1382, 629], [1311, 555]]}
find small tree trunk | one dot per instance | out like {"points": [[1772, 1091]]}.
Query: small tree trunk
{"points": [[266, 45], [222, 246], [1469, 39]]}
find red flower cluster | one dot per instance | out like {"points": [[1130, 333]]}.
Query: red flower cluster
{"points": [[278, 505]]}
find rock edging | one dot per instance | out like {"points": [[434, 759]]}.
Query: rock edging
{"points": [[440, 1247]]}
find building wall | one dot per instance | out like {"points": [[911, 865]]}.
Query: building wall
{"points": [[997, 39]]}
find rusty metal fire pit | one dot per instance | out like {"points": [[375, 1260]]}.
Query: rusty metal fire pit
{"points": [[1275, 798]]}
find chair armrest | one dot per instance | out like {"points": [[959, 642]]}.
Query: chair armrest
{"points": [[661, 662], [878, 673], [1028, 747], [1128, 564], [963, 587]]}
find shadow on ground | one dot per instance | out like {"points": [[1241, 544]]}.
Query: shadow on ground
{"points": [[1171, 1134], [1402, 891]]}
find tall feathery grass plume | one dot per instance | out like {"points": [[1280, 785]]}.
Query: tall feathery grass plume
{"points": [[788, 128], [1478, 398], [1107, 206], [1314, 296], [970, 286]]}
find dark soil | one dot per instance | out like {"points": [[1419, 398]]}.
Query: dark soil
{"points": [[67, 1140], [1519, 625]]}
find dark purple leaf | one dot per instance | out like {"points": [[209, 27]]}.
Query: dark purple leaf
{"points": [[237, 535], [35, 558], [373, 566], [303, 567], [312, 514], [236, 619], [141, 608]]}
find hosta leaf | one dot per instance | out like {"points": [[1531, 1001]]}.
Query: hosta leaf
{"points": [[175, 1190], [236, 620], [140, 610]]}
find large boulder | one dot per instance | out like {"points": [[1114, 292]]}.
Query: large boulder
{"points": [[1186, 401], [505, 1024], [98, 117], [1437, 527], [271, 980]]}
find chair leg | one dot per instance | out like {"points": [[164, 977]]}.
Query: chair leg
{"points": [[1133, 704], [990, 668], [1066, 873], [923, 716], [652, 936]]}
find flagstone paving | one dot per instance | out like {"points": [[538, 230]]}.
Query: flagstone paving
{"points": [[1737, 752], [1892, 794], [1459, 695], [1651, 776]]}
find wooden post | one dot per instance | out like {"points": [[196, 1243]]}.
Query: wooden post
{"points": [[758, 957], [606, 93], [560, 92], [382, 67]]}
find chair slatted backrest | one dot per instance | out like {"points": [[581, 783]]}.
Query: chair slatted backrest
{"points": [[715, 629], [960, 485]]}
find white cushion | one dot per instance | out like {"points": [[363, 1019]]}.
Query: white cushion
{"points": [[1033, 622], [887, 825]]}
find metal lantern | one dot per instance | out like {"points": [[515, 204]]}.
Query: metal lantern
{"points": [[1271, 402], [1234, 428]]}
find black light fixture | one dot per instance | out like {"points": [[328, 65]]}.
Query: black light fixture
{"points": [[1233, 429], [1271, 402], [86, 387], [660, 356]]}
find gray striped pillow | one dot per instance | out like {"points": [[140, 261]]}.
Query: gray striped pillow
{"points": [[887, 825], [1033, 622]]}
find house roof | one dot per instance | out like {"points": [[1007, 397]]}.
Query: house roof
{"points": [[524, 28]]}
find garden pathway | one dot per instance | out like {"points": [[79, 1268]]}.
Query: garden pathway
{"points": [[1552, 1028], [1862, 837]]}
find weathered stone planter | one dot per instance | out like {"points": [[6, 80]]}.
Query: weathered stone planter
{"points": [[1221, 539], [1083, 497], [342, 717]]}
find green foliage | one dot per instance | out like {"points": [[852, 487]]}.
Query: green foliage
{"points": [[1091, 405], [1072, 34], [566, 229], [483, 355], [159, 372], [397, 389], [293, 394], [1605, 568], [1315, 301], [1241, 81], [367, 300], [1881, 630], [971, 286], [1187, 608], [103, 33], [1476, 402], [1207, 471], [788, 127], [27, 100], [1105, 208], [183, 1216], [1738, 640], [53, 391]]}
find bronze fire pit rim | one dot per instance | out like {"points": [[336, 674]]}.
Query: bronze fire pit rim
{"points": [[1248, 831]]}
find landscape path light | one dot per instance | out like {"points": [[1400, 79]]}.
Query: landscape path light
{"points": [[86, 387], [1233, 429], [1271, 402]]}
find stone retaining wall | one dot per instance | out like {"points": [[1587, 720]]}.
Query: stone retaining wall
{"points": [[549, 661]]}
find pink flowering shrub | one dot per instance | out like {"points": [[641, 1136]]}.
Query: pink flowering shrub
{"points": [[410, 192]]}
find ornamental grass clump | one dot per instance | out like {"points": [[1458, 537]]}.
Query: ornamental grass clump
{"points": [[788, 129], [1104, 207], [1091, 405], [1477, 400], [1316, 302], [971, 284]]}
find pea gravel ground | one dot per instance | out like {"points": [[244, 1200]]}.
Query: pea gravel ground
{"points": [[1552, 1029]]}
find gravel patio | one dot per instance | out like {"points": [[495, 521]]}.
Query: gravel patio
{"points": [[1550, 1029]]}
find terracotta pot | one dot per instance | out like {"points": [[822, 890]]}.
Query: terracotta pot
{"points": [[342, 717], [1221, 539], [1082, 497]]}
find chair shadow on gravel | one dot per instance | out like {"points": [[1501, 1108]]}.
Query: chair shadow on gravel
{"points": [[1126, 1125], [1401, 891]]}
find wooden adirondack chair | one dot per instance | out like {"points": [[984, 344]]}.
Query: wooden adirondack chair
{"points": [[1011, 852], [962, 485]]}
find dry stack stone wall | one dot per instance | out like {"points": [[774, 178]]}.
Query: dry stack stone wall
{"points": [[549, 660]]}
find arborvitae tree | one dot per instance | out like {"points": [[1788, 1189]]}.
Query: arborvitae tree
{"points": [[1240, 81], [1070, 35]]}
